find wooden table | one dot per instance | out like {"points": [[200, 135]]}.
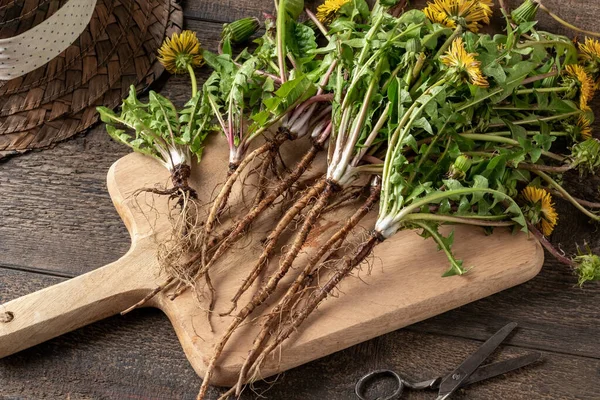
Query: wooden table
{"points": [[57, 222]]}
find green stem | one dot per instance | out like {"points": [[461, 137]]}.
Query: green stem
{"points": [[480, 154], [281, 17], [473, 103], [538, 120], [504, 140], [565, 23], [440, 160], [395, 141], [457, 32], [438, 196], [530, 133], [193, 79], [456, 220], [513, 108], [566, 195], [423, 158], [543, 90]]}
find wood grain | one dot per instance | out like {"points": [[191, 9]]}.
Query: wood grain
{"points": [[43, 209], [138, 357]]}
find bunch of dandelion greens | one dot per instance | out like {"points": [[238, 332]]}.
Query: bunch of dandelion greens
{"points": [[172, 137], [245, 89], [441, 124], [463, 142]]}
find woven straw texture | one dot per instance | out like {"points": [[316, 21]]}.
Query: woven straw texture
{"points": [[57, 100]]}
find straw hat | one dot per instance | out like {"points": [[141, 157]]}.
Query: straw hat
{"points": [[59, 59]]}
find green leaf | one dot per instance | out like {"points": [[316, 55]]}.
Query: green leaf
{"points": [[517, 131], [479, 182], [301, 42], [496, 71], [445, 245], [423, 123], [293, 7], [355, 8]]}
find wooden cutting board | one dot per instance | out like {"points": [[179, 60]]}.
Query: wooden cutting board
{"points": [[401, 285]]}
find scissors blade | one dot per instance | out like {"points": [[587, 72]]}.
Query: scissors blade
{"points": [[502, 367], [453, 380]]}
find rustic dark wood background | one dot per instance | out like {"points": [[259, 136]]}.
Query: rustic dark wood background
{"points": [[57, 221]]}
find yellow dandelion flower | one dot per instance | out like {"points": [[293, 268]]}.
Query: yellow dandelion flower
{"points": [[540, 209], [180, 51], [585, 127], [470, 14], [462, 62], [326, 11], [589, 57], [586, 84], [590, 50]]}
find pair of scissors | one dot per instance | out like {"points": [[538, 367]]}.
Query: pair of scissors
{"points": [[470, 371]]}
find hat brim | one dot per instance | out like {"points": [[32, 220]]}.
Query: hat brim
{"points": [[53, 110]]}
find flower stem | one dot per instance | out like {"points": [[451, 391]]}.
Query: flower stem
{"points": [[456, 220], [530, 133], [193, 79], [480, 100], [318, 23], [457, 32], [566, 195], [543, 90], [546, 168], [538, 120], [583, 202], [563, 22], [548, 246], [500, 139], [281, 17], [540, 77]]}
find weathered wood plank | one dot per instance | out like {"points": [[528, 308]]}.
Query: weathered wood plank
{"points": [[57, 216], [227, 10], [581, 13], [552, 313], [138, 356], [55, 211]]}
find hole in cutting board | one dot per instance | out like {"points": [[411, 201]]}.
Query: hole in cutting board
{"points": [[6, 317]]}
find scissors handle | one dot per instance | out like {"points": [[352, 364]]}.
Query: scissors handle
{"points": [[360, 387]]}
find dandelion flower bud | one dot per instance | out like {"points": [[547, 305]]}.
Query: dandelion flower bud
{"points": [[461, 166], [526, 12], [241, 30], [586, 156]]}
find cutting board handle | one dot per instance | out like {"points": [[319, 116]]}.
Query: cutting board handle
{"points": [[43, 315]]}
